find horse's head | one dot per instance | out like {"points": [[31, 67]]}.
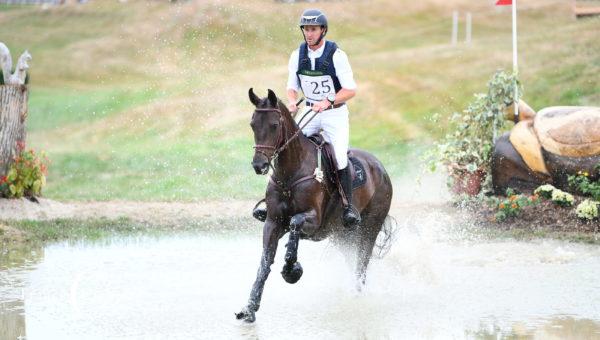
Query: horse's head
{"points": [[267, 124]]}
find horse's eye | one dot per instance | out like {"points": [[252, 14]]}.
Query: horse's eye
{"points": [[274, 125]]}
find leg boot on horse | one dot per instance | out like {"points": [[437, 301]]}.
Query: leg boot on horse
{"points": [[351, 216], [258, 212]]}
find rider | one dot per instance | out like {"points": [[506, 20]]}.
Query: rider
{"points": [[322, 71]]}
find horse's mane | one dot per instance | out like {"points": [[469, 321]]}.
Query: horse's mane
{"points": [[291, 125]]}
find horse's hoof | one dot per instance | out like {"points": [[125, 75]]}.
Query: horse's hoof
{"points": [[247, 315], [292, 273]]}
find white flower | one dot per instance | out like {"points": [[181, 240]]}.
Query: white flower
{"points": [[545, 190], [587, 210], [562, 198]]}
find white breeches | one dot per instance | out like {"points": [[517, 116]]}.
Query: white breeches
{"points": [[336, 130]]}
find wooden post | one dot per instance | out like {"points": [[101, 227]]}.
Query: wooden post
{"points": [[13, 112], [454, 27], [469, 31]]}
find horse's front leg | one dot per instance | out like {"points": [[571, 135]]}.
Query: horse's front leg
{"points": [[271, 234], [292, 270]]}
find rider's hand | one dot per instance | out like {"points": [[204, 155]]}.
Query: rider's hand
{"points": [[292, 107], [321, 106]]}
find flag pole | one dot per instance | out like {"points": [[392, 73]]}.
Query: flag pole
{"points": [[515, 58]]}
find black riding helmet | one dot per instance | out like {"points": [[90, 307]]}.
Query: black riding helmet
{"points": [[314, 17]]}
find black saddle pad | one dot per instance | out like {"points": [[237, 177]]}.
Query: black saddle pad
{"points": [[360, 175]]}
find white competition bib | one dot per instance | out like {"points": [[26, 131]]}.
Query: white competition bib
{"points": [[316, 88]]}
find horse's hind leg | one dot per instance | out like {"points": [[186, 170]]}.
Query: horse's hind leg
{"points": [[368, 232], [365, 244]]}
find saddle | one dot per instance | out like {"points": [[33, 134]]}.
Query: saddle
{"points": [[568, 131], [330, 165]]}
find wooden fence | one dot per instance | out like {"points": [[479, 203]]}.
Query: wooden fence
{"points": [[586, 8]]}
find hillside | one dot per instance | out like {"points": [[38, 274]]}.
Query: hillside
{"points": [[146, 100]]}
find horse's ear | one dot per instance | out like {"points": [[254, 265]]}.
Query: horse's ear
{"points": [[272, 98], [253, 98]]}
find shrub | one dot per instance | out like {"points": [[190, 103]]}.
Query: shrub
{"points": [[513, 204], [587, 210], [582, 183], [564, 199], [26, 176], [545, 191], [470, 141]]}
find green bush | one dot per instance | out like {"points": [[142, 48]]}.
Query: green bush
{"points": [[470, 142], [513, 204], [26, 176], [587, 210], [582, 183]]}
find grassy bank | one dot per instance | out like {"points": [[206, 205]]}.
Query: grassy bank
{"points": [[40, 232], [147, 100]]}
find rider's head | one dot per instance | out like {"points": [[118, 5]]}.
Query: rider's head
{"points": [[313, 24]]}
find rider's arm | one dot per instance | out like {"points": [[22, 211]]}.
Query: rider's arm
{"points": [[344, 73], [344, 95], [292, 83]]}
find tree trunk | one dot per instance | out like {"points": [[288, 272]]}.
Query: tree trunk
{"points": [[13, 111]]}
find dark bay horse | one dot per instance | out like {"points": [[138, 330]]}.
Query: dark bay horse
{"points": [[299, 204]]}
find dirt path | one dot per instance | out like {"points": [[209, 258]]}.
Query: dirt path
{"points": [[409, 199], [149, 212]]}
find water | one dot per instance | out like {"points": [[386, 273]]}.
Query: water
{"points": [[433, 284]]}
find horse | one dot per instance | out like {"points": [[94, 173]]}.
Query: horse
{"points": [[301, 205]]}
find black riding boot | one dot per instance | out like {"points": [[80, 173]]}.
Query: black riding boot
{"points": [[351, 216]]}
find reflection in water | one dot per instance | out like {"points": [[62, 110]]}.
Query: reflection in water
{"points": [[187, 286], [557, 328], [15, 261], [12, 320]]}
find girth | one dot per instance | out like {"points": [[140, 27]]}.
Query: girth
{"points": [[287, 192]]}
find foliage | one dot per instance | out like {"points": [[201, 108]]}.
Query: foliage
{"points": [[545, 191], [559, 197], [470, 143], [581, 182], [513, 204], [26, 176], [587, 210], [564, 199]]}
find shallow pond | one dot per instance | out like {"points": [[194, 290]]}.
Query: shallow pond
{"points": [[433, 284]]}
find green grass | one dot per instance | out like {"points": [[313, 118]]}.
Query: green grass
{"points": [[39, 232], [147, 100], [52, 108]]}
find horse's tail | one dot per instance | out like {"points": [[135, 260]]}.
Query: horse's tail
{"points": [[386, 237]]}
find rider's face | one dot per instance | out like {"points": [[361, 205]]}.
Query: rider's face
{"points": [[312, 33]]}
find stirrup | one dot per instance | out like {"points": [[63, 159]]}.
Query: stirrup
{"points": [[259, 213]]}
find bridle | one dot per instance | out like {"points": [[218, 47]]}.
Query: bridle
{"points": [[280, 144]]}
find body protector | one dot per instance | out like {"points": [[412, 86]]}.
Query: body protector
{"points": [[318, 83]]}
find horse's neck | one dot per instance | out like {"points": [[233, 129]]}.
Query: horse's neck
{"points": [[291, 160]]}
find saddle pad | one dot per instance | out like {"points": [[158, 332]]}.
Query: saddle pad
{"points": [[572, 131], [523, 138], [359, 177]]}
